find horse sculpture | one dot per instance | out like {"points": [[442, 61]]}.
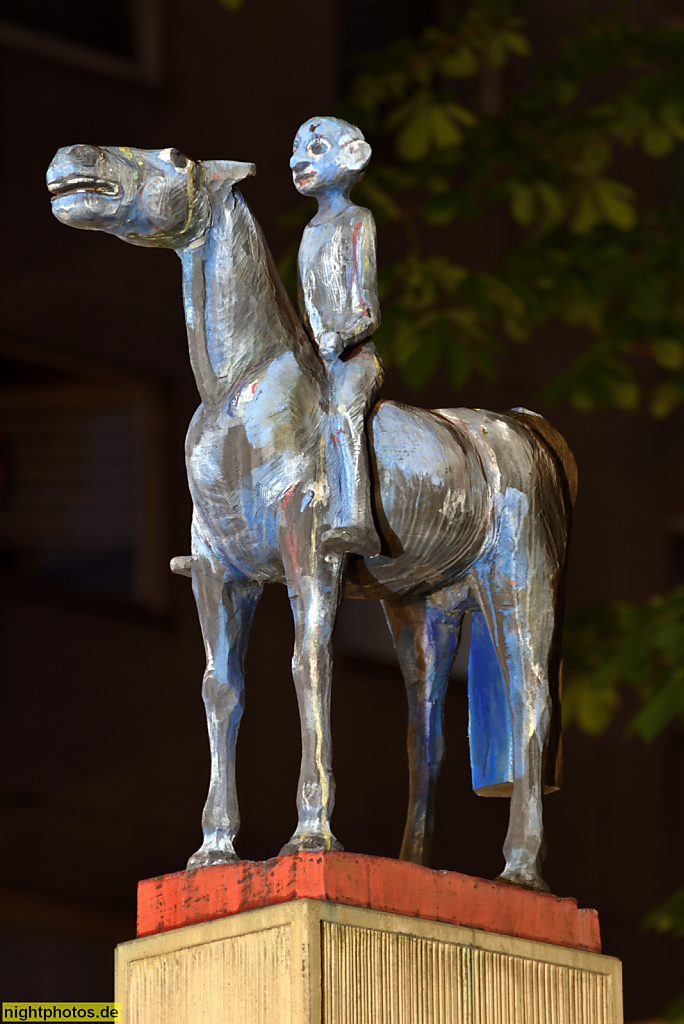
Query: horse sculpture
{"points": [[473, 509]]}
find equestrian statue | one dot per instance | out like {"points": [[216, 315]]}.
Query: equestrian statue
{"points": [[298, 478]]}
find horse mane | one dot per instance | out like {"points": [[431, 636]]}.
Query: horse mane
{"points": [[269, 279]]}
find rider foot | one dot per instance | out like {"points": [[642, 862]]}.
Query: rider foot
{"points": [[353, 539]]}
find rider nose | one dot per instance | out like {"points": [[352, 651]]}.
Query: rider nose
{"points": [[299, 167]]}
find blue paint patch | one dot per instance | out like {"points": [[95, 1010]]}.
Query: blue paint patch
{"points": [[489, 717], [512, 563]]}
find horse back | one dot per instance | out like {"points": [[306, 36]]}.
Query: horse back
{"points": [[436, 477]]}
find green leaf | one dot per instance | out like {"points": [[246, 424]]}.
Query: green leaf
{"points": [[371, 192], [566, 92], [460, 114], [665, 397], [404, 112], [668, 916], [552, 201], [523, 206], [496, 52], [672, 117], [668, 353], [517, 43], [616, 201], [462, 63], [458, 364], [626, 395], [419, 366], [589, 705], [232, 5], [587, 214], [413, 141], [674, 1012], [657, 141], [444, 132], [440, 210], [593, 157]]}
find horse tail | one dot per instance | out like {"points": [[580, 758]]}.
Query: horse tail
{"points": [[556, 444], [566, 467], [489, 713]]}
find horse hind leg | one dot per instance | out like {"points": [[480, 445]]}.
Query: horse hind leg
{"points": [[426, 635], [226, 611], [521, 626]]}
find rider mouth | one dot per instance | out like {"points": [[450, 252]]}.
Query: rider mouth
{"points": [[69, 185], [304, 177]]}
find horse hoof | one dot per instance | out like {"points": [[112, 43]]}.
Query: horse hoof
{"points": [[533, 881], [207, 858], [311, 844]]}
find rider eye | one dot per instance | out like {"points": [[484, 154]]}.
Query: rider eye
{"points": [[317, 146]]}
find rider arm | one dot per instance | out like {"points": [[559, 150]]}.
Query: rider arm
{"points": [[362, 316]]}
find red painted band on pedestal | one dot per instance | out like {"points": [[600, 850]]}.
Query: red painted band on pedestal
{"points": [[394, 886]]}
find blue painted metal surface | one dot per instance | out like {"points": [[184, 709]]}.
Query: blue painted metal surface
{"points": [[489, 717], [338, 296], [472, 508]]}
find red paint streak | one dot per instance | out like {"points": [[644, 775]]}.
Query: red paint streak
{"points": [[284, 501], [255, 385]]}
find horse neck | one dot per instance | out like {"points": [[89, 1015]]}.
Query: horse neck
{"points": [[237, 313]]}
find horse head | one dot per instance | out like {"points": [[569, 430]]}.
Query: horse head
{"points": [[153, 197]]}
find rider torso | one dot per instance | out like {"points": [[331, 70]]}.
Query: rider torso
{"points": [[339, 305]]}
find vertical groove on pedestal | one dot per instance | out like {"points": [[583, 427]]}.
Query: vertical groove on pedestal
{"points": [[373, 976], [247, 978]]}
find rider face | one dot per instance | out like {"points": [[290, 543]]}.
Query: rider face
{"points": [[320, 158]]}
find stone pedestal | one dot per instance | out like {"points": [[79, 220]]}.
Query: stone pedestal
{"points": [[300, 957]]}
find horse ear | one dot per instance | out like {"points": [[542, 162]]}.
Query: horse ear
{"points": [[221, 172]]}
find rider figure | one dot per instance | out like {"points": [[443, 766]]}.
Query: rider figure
{"points": [[338, 296]]}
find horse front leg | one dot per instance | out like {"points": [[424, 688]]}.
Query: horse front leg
{"points": [[426, 635], [226, 611], [314, 591]]}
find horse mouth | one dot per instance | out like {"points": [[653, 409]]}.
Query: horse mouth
{"points": [[69, 186]]}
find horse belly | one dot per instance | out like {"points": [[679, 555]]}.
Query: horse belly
{"points": [[432, 502]]}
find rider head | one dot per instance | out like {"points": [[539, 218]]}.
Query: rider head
{"points": [[329, 155]]}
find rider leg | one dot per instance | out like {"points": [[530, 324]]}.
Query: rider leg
{"points": [[354, 383]]}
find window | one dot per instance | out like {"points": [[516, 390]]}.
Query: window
{"points": [[120, 37]]}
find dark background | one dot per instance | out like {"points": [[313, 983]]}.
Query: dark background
{"points": [[103, 753]]}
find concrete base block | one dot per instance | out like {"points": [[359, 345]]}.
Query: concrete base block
{"points": [[316, 962]]}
